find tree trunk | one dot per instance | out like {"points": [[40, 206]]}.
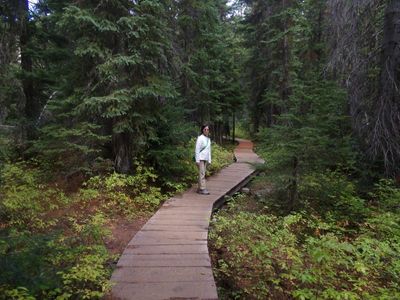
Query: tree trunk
{"points": [[122, 148], [384, 139]]}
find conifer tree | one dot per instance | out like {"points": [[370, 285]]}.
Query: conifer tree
{"points": [[288, 92], [11, 99], [363, 52], [208, 75], [269, 34], [115, 84]]}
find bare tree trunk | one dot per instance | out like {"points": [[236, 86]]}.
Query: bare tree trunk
{"points": [[385, 134], [218, 131], [122, 148], [358, 47], [355, 42]]}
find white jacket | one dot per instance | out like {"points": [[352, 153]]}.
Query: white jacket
{"points": [[204, 143]]}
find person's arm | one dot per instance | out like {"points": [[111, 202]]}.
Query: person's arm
{"points": [[209, 152], [198, 148]]}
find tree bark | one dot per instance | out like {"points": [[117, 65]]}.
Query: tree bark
{"points": [[122, 148], [385, 138]]}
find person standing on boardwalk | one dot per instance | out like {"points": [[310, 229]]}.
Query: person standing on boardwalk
{"points": [[203, 157]]}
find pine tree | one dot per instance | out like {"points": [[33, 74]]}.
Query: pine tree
{"points": [[270, 31], [209, 79], [305, 114], [362, 55], [116, 81], [11, 98]]}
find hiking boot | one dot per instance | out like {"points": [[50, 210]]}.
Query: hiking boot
{"points": [[203, 192]]}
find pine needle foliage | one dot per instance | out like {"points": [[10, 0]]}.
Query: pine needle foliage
{"points": [[119, 78]]}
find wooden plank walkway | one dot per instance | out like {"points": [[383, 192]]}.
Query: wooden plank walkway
{"points": [[168, 258]]}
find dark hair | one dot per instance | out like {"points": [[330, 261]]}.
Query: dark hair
{"points": [[202, 128]]}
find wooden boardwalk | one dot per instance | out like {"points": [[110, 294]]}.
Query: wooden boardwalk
{"points": [[168, 258]]}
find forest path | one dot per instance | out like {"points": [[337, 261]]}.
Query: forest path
{"points": [[168, 258]]}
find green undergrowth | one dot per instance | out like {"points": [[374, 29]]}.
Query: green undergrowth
{"points": [[53, 242], [349, 250], [241, 131]]}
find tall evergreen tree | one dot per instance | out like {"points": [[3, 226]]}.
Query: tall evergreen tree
{"points": [[208, 77], [11, 98], [287, 88], [385, 138], [270, 32], [363, 52], [116, 83]]}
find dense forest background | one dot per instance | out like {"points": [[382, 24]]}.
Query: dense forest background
{"points": [[100, 102]]}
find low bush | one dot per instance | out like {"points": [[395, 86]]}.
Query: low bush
{"points": [[263, 256], [5, 149], [333, 195], [386, 196], [24, 201], [56, 265], [49, 241], [128, 195]]}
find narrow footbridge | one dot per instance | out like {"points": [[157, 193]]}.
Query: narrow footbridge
{"points": [[168, 258]]}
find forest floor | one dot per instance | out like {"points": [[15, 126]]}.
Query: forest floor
{"points": [[122, 231]]}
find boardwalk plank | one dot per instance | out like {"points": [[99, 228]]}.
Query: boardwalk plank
{"points": [[167, 290], [164, 260], [167, 249], [163, 274]]}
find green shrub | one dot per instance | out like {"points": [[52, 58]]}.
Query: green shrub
{"points": [[46, 266], [19, 293], [91, 230], [25, 201], [386, 195], [126, 194], [242, 131], [262, 256], [87, 279], [173, 165], [257, 252], [5, 150], [331, 194], [49, 242], [24, 262], [65, 148]]}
